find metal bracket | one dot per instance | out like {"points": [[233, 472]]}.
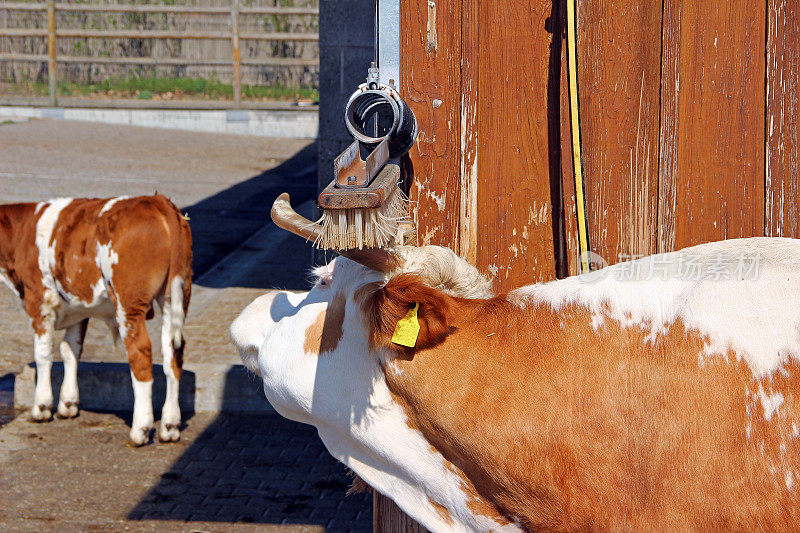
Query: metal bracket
{"points": [[352, 171], [371, 196]]}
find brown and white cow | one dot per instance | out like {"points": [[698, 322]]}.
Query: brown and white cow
{"points": [[658, 394], [70, 260]]}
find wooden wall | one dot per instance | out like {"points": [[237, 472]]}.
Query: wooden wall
{"points": [[687, 125]]}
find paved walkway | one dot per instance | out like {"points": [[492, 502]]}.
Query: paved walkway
{"points": [[228, 472]]}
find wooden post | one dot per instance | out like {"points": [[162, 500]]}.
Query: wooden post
{"points": [[237, 58], [387, 517], [51, 50]]}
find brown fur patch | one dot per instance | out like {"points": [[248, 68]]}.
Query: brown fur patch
{"points": [[324, 334], [562, 427], [442, 511]]}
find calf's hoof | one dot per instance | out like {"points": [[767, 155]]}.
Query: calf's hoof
{"points": [[67, 409], [41, 413], [169, 433], [139, 436]]}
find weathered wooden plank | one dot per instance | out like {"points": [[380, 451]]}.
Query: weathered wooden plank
{"points": [[720, 167], [619, 53], [431, 66], [514, 232], [783, 107], [470, 67], [668, 134]]}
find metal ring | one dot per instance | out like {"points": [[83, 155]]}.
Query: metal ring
{"points": [[398, 124]]}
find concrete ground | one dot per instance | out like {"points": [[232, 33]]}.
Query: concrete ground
{"points": [[229, 471]]}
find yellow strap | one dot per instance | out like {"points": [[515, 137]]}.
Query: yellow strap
{"points": [[575, 124], [407, 330]]}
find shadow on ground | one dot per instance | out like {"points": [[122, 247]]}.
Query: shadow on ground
{"points": [[257, 468], [222, 222], [6, 398]]}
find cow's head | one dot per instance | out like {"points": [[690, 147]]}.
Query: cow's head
{"points": [[324, 355]]}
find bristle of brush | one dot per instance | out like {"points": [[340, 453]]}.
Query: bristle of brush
{"points": [[349, 229]]}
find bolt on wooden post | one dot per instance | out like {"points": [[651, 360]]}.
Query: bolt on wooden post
{"points": [[51, 50], [236, 56]]}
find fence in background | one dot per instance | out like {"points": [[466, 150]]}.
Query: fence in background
{"points": [[233, 35]]}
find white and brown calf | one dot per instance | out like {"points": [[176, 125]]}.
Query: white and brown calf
{"points": [[661, 394], [70, 260]]}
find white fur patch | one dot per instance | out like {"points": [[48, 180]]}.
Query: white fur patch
{"points": [[142, 410], [175, 310], [44, 234], [171, 412], [109, 204], [106, 258], [752, 312], [770, 402]]}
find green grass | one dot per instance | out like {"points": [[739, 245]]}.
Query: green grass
{"points": [[149, 87]]}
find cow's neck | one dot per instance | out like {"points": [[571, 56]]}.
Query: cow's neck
{"points": [[494, 398], [458, 395]]}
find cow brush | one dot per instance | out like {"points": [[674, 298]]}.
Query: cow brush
{"points": [[364, 226], [364, 207]]}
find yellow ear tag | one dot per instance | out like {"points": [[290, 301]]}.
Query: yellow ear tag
{"points": [[407, 330]]}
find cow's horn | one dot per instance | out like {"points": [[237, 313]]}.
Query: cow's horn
{"points": [[287, 218]]}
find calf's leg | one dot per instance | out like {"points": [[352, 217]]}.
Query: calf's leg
{"points": [[140, 358], [43, 356], [71, 348], [172, 363]]}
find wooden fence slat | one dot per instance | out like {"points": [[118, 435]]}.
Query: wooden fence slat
{"points": [[721, 104], [782, 173], [130, 8], [236, 57], [155, 34], [51, 51], [155, 61]]}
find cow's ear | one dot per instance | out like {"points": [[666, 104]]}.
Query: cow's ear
{"points": [[407, 301]]}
